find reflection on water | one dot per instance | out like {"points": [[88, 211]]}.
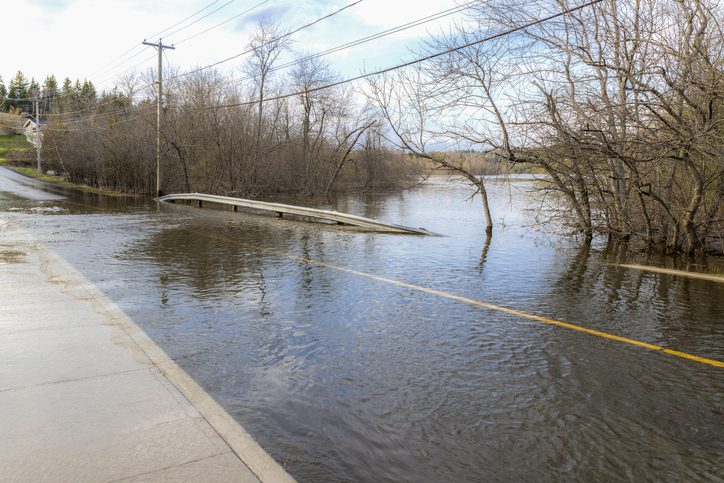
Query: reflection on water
{"points": [[342, 377]]}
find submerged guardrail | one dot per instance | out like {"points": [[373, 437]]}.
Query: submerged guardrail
{"points": [[281, 209]]}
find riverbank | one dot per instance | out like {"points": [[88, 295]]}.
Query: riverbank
{"points": [[86, 395], [16, 146]]}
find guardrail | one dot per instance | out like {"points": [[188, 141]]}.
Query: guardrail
{"points": [[281, 209]]}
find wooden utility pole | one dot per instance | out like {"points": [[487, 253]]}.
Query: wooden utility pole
{"points": [[159, 118], [37, 133]]}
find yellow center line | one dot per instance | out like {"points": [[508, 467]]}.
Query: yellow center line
{"points": [[478, 303], [668, 271]]}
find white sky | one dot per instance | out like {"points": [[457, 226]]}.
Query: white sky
{"points": [[78, 38]]}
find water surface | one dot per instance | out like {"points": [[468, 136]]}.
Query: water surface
{"points": [[342, 377]]}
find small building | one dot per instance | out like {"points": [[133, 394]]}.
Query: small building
{"points": [[32, 133]]}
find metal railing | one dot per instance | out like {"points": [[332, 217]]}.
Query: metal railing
{"points": [[282, 209]]}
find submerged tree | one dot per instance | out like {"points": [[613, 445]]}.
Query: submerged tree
{"points": [[619, 103], [266, 45], [623, 111]]}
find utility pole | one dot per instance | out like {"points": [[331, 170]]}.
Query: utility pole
{"points": [[37, 133], [160, 48]]}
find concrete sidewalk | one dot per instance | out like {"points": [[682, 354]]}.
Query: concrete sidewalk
{"points": [[85, 395]]}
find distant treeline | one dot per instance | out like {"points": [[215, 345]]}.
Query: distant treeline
{"points": [[19, 94], [219, 135]]}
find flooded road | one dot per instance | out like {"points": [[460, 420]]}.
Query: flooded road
{"points": [[321, 343]]}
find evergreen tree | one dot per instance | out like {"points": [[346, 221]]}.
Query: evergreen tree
{"points": [[67, 87], [33, 88], [67, 96], [33, 94], [87, 92], [18, 89], [3, 95], [50, 89]]}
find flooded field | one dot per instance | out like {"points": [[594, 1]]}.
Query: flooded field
{"points": [[354, 356]]}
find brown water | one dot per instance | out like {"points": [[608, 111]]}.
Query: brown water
{"points": [[342, 377]]}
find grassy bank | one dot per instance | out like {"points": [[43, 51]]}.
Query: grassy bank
{"points": [[14, 151], [12, 144]]}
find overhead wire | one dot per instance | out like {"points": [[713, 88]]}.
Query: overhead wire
{"points": [[111, 65], [133, 67], [112, 68], [115, 60], [406, 64], [181, 29], [172, 78], [182, 21], [94, 128], [80, 111], [275, 39], [119, 61], [221, 23], [101, 117], [363, 40], [377, 72]]}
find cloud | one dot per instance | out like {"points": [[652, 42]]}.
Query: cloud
{"points": [[51, 4], [275, 13], [88, 38], [386, 13]]}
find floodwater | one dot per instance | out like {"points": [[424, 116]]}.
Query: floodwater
{"points": [[346, 377]]}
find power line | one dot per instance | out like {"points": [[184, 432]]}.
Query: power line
{"points": [[90, 108], [119, 61], [198, 20], [406, 64], [95, 128], [363, 40], [338, 48], [104, 115], [110, 65], [381, 71], [94, 116], [138, 64], [188, 38], [141, 112], [222, 23], [276, 39], [95, 76], [182, 21]]}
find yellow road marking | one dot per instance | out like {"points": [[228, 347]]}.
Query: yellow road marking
{"points": [[478, 303], [680, 273]]}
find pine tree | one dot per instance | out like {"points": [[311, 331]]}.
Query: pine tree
{"points": [[18, 89], [67, 87], [3, 95], [67, 96], [50, 89], [87, 92], [33, 88]]}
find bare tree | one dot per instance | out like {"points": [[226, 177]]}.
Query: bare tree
{"points": [[267, 43], [405, 102]]}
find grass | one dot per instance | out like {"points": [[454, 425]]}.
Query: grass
{"points": [[59, 181], [12, 142], [18, 143]]}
